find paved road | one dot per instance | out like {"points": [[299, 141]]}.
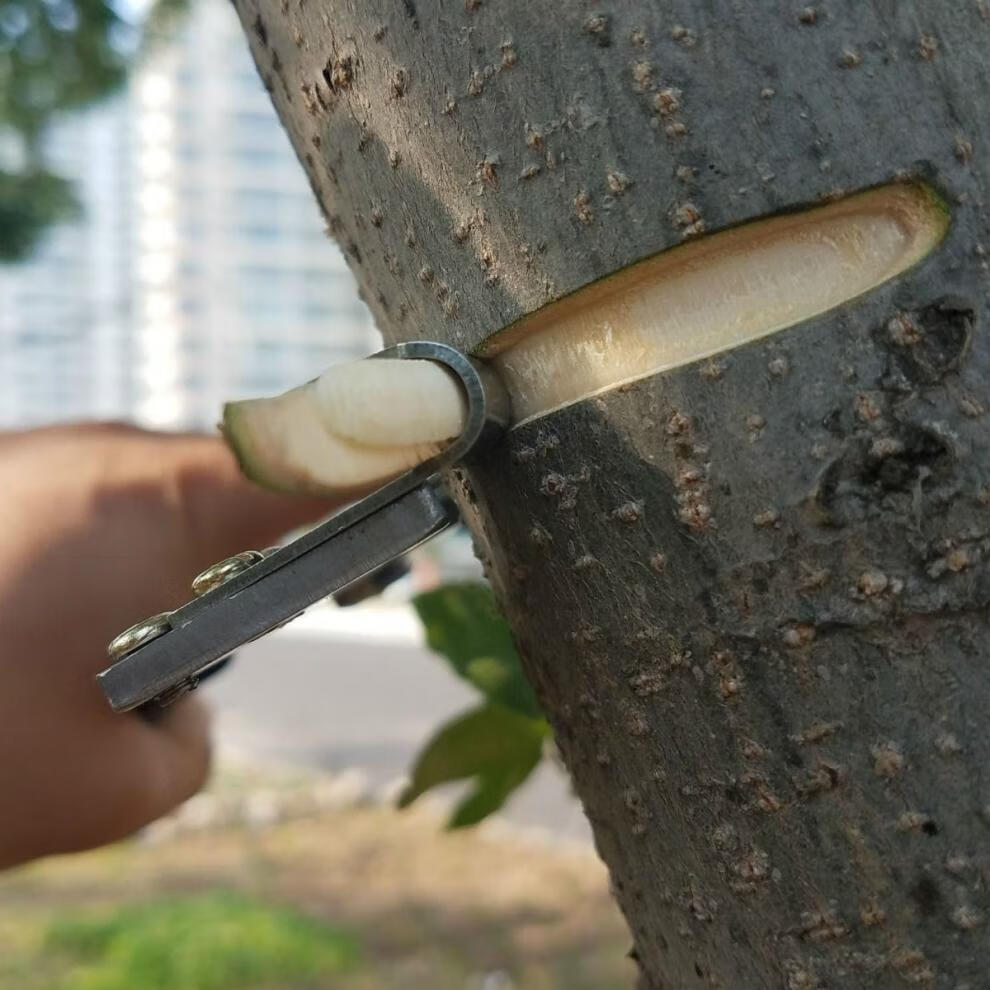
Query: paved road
{"points": [[335, 699]]}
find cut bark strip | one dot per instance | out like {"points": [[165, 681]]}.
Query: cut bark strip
{"points": [[352, 428]]}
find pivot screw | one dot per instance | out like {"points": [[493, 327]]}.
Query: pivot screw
{"points": [[220, 573], [138, 635]]}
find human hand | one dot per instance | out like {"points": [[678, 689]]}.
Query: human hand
{"points": [[104, 525]]}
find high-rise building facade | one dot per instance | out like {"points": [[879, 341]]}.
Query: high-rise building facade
{"points": [[239, 290], [66, 316], [200, 271]]}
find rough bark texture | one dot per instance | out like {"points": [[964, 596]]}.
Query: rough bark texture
{"points": [[752, 594]]}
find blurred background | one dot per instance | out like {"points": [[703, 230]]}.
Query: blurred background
{"points": [[161, 253], [197, 268]]}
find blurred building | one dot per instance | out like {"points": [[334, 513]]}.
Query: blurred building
{"points": [[200, 270], [66, 317]]}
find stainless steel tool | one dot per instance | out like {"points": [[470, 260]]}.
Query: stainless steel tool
{"points": [[244, 597]]}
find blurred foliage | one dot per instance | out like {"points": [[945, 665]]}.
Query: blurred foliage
{"points": [[57, 56], [497, 745], [30, 201], [215, 941]]}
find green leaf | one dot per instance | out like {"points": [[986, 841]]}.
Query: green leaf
{"points": [[494, 746], [463, 624]]}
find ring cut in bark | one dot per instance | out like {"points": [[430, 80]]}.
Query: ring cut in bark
{"points": [[714, 294]]}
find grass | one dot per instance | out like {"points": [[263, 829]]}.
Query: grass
{"points": [[215, 941]]}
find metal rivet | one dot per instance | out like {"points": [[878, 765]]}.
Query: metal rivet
{"points": [[217, 574], [140, 633]]}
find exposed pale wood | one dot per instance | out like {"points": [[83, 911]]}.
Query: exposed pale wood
{"points": [[714, 294]]}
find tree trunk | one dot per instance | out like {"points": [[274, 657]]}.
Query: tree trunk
{"points": [[751, 592]]}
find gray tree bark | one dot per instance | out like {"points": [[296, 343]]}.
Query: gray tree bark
{"points": [[752, 593]]}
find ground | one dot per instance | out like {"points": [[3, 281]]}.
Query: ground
{"points": [[402, 904]]}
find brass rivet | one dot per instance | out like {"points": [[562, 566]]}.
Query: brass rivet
{"points": [[217, 574], [140, 633]]}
